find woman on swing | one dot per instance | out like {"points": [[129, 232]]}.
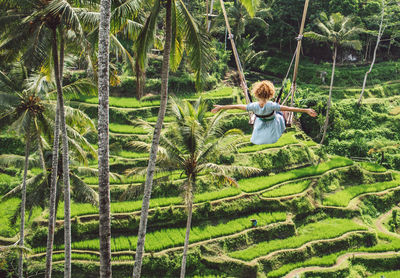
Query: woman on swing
{"points": [[269, 124]]}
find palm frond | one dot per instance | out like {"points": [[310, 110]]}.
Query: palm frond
{"points": [[18, 161], [116, 44], [177, 44], [128, 9], [29, 182], [198, 44], [68, 14], [251, 6], [82, 192], [316, 36], [84, 86], [355, 44], [146, 37]]}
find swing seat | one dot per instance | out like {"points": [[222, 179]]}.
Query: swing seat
{"points": [[288, 116]]}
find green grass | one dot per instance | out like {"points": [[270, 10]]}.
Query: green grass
{"points": [[386, 274], [120, 102], [7, 209], [328, 260], [286, 139], [217, 93], [134, 103], [385, 243], [343, 197], [325, 229], [128, 154], [127, 129], [259, 183], [288, 189], [167, 238], [167, 119], [79, 209], [372, 167]]}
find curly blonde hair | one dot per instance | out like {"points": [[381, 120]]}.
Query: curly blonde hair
{"points": [[264, 89]]}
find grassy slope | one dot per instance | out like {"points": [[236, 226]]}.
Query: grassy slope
{"points": [[343, 197], [328, 228], [259, 183], [166, 238]]}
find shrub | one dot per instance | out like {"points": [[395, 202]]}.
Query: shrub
{"points": [[276, 161], [11, 145]]}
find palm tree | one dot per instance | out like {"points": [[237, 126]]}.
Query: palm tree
{"points": [[190, 145], [180, 27], [104, 168], [36, 94], [28, 31], [37, 186], [381, 31], [338, 30]]}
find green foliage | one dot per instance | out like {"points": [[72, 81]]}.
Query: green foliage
{"points": [[386, 274], [259, 183], [166, 238], [327, 260], [276, 161], [119, 102], [343, 197], [129, 129], [286, 139], [329, 228], [11, 145], [8, 182], [7, 210], [372, 167], [78, 209], [287, 189]]}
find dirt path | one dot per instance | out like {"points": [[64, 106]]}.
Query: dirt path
{"points": [[308, 244], [339, 261], [379, 223]]}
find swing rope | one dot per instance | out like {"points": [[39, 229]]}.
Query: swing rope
{"points": [[278, 98], [243, 83], [289, 115]]}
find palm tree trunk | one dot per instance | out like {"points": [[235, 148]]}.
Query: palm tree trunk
{"points": [[328, 107], [65, 158], [103, 151], [23, 202], [53, 193], [378, 40], [186, 245], [40, 150], [154, 146], [140, 81], [54, 169]]}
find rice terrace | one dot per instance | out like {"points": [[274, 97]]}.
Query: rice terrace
{"points": [[200, 138]]}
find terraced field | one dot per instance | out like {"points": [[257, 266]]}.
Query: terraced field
{"points": [[300, 228]]}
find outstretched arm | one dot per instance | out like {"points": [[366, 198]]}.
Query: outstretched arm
{"points": [[309, 111], [226, 107]]}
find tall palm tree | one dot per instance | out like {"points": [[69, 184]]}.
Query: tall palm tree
{"points": [[180, 27], [337, 30], [104, 168], [190, 145], [35, 26]]}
